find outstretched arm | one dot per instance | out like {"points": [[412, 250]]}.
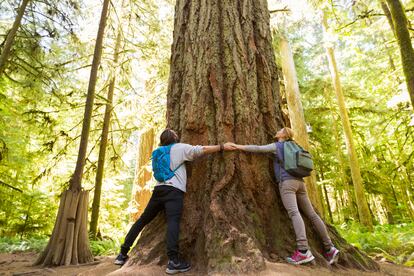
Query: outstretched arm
{"points": [[216, 148], [255, 148]]}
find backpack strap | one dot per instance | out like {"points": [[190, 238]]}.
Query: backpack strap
{"points": [[178, 167], [277, 155]]}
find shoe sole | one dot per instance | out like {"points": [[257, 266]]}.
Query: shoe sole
{"points": [[335, 258], [119, 262], [175, 271], [302, 262]]}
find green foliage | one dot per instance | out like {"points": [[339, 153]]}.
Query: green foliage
{"points": [[37, 244], [105, 247], [42, 96], [378, 106], [10, 245], [394, 243]]}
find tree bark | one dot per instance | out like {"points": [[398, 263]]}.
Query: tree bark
{"points": [[296, 114], [223, 87], [363, 211], [141, 192], [104, 140], [69, 242], [400, 28], [11, 35]]}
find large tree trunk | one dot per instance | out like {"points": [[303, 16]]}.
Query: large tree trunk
{"points": [[223, 87], [69, 242], [104, 139], [296, 115], [141, 191], [399, 25], [363, 211], [5, 53]]}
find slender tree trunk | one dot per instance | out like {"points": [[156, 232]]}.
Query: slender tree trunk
{"points": [[296, 115], [328, 204], [104, 140], [388, 209], [223, 86], [5, 53], [69, 243], [141, 191], [388, 15], [400, 28], [361, 200], [341, 161], [338, 205], [76, 180]]}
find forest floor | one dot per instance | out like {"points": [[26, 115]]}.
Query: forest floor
{"points": [[20, 264]]}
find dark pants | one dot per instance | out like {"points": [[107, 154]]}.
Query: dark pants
{"points": [[163, 197]]}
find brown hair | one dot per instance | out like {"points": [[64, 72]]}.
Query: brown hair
{"points": [[288, 132], [168, 137]]}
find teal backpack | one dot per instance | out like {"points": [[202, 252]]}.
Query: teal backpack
{"points": [[298, 162]]}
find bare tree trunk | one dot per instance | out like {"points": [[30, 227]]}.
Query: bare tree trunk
{"points": [[361, 200], [388, 209], [104, 139], [223, 87], [69, 243], [328, 204], [11, 35], [76, 180], [141, 191], [341, 161], [388, 15], [296, 115], [400, 28]]}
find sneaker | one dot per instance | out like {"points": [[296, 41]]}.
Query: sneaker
{"points": [[300, 258], [121, 259], [332, 255], [177, 266]]}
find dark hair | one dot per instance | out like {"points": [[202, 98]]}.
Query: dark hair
{"points": [[168, 137]]}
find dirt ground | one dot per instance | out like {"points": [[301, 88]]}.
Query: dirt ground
{"points": [[20, 264]]}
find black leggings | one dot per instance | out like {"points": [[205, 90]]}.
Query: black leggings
{"points": [[163, 197]]}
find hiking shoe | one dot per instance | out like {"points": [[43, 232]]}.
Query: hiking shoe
{"points": [[177, 266], [332, 255], [300, 258], [121, 259]]}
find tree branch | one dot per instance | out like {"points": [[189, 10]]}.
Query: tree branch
{"points": [[10, 186], [285, 9]]}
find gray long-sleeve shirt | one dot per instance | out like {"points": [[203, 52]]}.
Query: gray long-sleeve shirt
{"points": [[276, 148], [178, 155]]}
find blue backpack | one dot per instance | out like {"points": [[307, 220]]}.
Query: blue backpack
{"points": [[161, 164]]}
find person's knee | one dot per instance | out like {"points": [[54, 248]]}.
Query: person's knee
{"points": [[313, 216], [174, 219], [293, 212]]}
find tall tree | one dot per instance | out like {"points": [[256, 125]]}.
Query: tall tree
{"points": [[363, 211], [296, 115], [104, 137], [69, 242], [399, 25], [5, 53], [223, 86]]}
